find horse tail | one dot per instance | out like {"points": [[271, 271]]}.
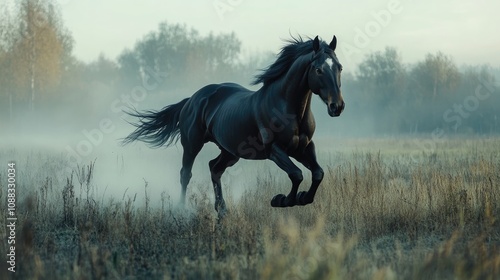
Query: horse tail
{"points": [[157, 128]]}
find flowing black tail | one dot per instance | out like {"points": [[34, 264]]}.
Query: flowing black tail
{"points": [[157, 127]]}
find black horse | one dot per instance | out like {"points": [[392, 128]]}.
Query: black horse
{"points": [[274, 122]]}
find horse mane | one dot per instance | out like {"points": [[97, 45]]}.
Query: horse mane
{"points": [[295, 48]]}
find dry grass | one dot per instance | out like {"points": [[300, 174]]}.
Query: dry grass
{"points": [[389, 212]]}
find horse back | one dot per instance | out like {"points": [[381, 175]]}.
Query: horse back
{"points": [[219, 107]]}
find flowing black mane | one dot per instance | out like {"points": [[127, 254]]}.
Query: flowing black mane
{"points": [[295, 48]]}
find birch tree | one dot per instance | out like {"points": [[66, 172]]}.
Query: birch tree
{"points": [[38, 49], [6, 46]]}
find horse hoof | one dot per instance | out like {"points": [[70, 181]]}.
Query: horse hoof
{"points": [[278, 201], [302, 198], [221, 213]]}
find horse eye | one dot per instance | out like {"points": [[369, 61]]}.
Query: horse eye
{"points": [[318, 71]]}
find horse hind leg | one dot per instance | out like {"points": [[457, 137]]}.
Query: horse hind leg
{"points": [[188, 157], [217, 167]]}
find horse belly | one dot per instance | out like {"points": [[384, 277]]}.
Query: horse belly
{"points": [[233, 128], [239, 138]]}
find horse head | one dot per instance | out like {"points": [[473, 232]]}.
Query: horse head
{"points": [[324, 76]]}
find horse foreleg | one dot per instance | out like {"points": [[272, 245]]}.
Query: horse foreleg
{"points": [[308, 159], [280, 157]]}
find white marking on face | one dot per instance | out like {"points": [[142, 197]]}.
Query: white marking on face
{"points": [[329, 61]]}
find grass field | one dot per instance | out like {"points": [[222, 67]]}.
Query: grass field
{"points": [[387, 209]]}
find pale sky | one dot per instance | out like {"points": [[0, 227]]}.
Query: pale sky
{"points": [[466, 30]]}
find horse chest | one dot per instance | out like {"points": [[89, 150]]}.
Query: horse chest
{"points": [[297, 136], [298, 143], [290, 130]]}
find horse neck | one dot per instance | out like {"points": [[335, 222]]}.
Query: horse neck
{"points": [[295, 89]]}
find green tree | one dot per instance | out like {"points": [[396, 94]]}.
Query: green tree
{"points": [[103, 70], [383, 69], [432, 85], [478, 87], [381, 78], [436, 75], [221, 52], [181, 55], [129, 68]]}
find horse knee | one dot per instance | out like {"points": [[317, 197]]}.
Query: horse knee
{"points": [[318, 174]]}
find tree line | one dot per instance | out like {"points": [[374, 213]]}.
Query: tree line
{"points": [[39, 75], [430, 95]]}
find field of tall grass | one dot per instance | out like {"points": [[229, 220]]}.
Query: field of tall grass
{"points": [[386, 210]]}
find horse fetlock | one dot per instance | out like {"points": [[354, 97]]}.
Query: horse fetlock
{"points": [[281, 200], [185, 175], [278, 200], [221, 213], [296, 177], [304, 198], [220, 206], [291, 201]]}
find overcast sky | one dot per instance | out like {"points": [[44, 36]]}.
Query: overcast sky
{"points": [[466, 30]]}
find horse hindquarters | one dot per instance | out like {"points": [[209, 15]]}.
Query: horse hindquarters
{"points": [[192, 139]]}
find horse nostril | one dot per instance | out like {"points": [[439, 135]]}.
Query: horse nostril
{"points": [[333, 107]]}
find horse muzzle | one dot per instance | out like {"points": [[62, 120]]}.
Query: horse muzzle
{"points": [[334, 109]]}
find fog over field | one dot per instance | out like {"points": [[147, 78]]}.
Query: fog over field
{"points": [[420, 82], [87, 72]]}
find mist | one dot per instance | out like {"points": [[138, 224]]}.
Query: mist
{"points": [[74, 110]]}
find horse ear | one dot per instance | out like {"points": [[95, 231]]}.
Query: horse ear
{"points": [[333, 43], [316, 44]]}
